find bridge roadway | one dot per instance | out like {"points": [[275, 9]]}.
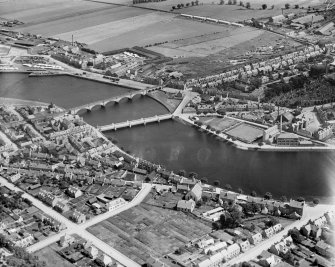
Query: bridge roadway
{"points": [[80, 229], [116, 99], [142, 121]]}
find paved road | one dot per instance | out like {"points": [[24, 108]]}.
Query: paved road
{"points": [[72, 228], [309, 214], [187, 98]]}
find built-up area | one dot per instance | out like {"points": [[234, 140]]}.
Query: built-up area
{"points": [[64, 181], [71, 196]]}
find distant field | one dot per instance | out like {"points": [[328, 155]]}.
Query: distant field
{"points": [[233, 13], [209, 44], [167, 5], [215, 62], [78, 21], [141, 30]]}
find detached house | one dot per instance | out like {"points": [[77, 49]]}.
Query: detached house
{"points": [[78, 217], [267, 233], [195, 193], [74, 192], [186, 205], [255, 239], [66, 240]]}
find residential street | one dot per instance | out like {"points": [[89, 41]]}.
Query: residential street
{"points": [[309, 214], [80, 229]]}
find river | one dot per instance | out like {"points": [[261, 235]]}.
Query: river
{"points": [[178, 146]]}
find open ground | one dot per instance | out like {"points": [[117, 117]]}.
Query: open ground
{"points": [[216, 61], [52, 258], [148, 230]]}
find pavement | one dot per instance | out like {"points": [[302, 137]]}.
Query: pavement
{"points": [[80, 229]]}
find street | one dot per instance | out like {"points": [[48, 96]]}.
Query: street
{"points": [[310, 213], [80, 229]]}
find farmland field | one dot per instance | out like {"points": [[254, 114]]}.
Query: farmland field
{"points": [[205, 45], [141, 30], [148, 230], [167, 5]]}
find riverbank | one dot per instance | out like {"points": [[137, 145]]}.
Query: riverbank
{"points": [[255, 147], [19, 102]]}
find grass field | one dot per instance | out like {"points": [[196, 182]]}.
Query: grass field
{"points": [[202, 46], [246, 133], [220, 124], [147, 230]]}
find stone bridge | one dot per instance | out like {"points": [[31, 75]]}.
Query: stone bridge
{"points": [[116, 99], [142, 121]]}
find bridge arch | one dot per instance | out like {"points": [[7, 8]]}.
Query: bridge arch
{"points": [[97, 106], [83, 110]]}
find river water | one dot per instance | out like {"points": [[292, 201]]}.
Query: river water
{"points": [[178, 146]]}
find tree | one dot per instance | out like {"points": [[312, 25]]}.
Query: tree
{"points": [[283, 199], [253, 193], [187, 4], [264, 6], [173, 7], [316, 201], [239, 190], [268, 195], [228, 187], [272, 221], [246, 264], [296, 6], [205, 198], [182, 173], [216, 182], [230, 2], [204, 180], [234, 2], [256, 208], [241, 3], [287, 6], [247, 5], [225, 205], [193, 175], [301, 199], [296, 236]]}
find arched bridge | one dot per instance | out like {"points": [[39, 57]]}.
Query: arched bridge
{"points": [[116, 99], [142, 121]]}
